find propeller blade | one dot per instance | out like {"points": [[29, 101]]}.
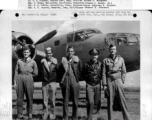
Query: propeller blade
{"points": [[14, 38], [46, 37]]}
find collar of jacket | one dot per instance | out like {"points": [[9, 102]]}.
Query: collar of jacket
{"points": [[91, 62], [74, 59], [115, 60], [28, 60], [65, 61], [44, 62], [53, 60]]}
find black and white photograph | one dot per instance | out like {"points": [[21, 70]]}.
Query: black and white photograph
{"points": [[76, 70], [75, 65]]}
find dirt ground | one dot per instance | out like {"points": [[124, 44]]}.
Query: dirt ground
{"points": [[132, 98]]}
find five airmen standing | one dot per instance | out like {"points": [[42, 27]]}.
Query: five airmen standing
{"points": [[110, 74]]}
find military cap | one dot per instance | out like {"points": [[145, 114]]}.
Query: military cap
{"points": [[94, 51]]}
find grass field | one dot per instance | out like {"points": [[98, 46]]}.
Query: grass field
{"points": [[132, 97]]}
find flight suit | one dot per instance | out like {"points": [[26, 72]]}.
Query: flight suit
{"points": [[24, 73], [69, 80], [49, 73], [113, 76]]}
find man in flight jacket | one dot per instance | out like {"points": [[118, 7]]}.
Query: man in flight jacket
{"points": [[92, 75], [49, 70], [70, 73]]}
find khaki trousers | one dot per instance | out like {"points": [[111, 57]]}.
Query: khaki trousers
{"points": [[115, 89], [48, 93], [25, 86], [93, 97]]}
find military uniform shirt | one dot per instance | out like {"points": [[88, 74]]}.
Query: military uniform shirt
{"points": [[25, 70], [113, 69]]}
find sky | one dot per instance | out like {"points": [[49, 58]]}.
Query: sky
{"points": [[37, 29]]}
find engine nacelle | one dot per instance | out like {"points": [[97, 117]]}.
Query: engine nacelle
{"points": [[17, 47]]}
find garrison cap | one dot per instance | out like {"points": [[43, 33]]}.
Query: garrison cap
{"points": [[48, 49], [94, 51]]}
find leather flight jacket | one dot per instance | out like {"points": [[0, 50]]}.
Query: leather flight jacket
{"points": [[49, 73], [92, 73], [76, 67]]}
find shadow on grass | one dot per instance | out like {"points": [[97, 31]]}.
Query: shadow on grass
{"points": [[14, 116], [40, 117], [35, 101]]}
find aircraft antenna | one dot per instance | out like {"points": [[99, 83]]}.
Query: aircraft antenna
{"points": [[73, 27]]}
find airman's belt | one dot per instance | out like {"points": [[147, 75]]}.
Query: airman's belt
{"points": [[25, 73]]}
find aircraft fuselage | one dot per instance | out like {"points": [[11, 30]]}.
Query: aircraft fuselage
{"points": [[86, 39]]}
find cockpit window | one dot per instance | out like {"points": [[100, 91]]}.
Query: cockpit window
{"points": [[132, 40], [121, 41], [79, 36], [89, 33]]}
